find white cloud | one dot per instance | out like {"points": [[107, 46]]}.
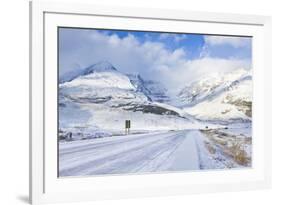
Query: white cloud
{"points": [[227, 40], [151, 59], [175, 37]]}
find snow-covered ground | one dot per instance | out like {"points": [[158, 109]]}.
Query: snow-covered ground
{"points": [[207, 126], [140, 153]]}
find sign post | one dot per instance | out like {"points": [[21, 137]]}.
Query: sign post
{"points": [[127, 126]]}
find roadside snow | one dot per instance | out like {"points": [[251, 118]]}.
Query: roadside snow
{"points": [[246, 131], [154, 152], [141, 153]]}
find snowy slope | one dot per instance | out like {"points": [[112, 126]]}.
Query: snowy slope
{"points": [[222, 98], [139, 84], [210, 86], [155, 91], [158, 92]]}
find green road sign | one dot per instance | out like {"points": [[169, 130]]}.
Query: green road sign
{"points": [[128, 123]]}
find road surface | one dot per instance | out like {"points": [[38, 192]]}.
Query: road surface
{"points": [[154, 152]]}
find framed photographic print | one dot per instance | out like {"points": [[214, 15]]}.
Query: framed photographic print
{"points": [[128, 102]]}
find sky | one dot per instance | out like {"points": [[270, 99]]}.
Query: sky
{"points": [[174, 59]]}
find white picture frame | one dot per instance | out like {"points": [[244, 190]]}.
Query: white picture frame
{"points": [[45, 187]]}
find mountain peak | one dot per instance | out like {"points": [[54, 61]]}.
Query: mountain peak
{"points": [[102, 66]]}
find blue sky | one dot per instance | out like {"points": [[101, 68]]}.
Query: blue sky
{"points": [[190, 42], [193, 44], [173, 59]]}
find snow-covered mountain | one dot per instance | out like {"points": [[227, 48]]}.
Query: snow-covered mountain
{"points": [[101, 97], [158, 92], [102, 83], [155, 91], [220, 97], [139, 84]]}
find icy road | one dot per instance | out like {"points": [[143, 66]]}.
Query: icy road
{"points": [[153, 152]]}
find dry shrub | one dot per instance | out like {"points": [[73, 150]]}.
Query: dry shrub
{"points": [[220, 141], [210, 148], [239, 154]]}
